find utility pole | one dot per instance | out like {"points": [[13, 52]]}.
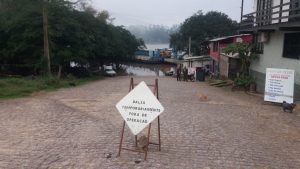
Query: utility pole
{"points": [[46, 40], [242, 11], [190, 39]]}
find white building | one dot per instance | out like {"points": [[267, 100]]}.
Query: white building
{"points": [[275, 25], [196, 61]]}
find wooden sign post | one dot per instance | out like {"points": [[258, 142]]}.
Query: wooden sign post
{"points": [[138, 109]]}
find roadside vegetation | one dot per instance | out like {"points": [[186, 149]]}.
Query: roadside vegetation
{"points": [[41, 38], [74, 31], [247, 54], [21, 87]]}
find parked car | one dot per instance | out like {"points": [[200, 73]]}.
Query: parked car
{"points": [[109, 71], [171, 72]]}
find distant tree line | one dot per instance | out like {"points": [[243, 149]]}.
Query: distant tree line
{"points": [[76, 33], [153, 34], [202, 27]]}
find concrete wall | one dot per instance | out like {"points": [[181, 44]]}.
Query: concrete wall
{"points": [[224, 66], [272, 58], [196, 63]]}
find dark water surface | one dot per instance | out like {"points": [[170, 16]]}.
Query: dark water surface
{"points": [[141, 69]]}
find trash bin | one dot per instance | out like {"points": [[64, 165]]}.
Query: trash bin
{"points": [[200, 74]]}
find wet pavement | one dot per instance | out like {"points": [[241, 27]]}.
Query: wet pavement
{"points": [[202, 127]]}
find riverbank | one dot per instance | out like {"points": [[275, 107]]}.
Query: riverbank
{"points": [[25, 86]]}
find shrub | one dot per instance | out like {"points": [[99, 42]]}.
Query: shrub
{"points": [[244, 80]]}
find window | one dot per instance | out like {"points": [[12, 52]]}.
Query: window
{"points": [[216, 47], [259, 47], [258, 44], [291, 47]]}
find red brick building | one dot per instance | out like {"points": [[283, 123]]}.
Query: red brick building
{"points": [[217, 45]]}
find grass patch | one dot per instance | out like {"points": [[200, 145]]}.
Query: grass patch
{"points": [[21, 87]]}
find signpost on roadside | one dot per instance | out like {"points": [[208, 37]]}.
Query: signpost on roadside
{"points": [[138, 109], [279, 85]]}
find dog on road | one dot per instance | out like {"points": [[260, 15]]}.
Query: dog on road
{"points": [[288, 106]]}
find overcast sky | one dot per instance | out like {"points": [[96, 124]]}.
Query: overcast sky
{"points": [[166, 12]]}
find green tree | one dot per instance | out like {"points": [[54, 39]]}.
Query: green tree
{"points": [[21, 35], [246, 53], [124, 44], [86, 36], [202, 27]]}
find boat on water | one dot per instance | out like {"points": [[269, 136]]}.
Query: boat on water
{"points": [[148, 56]]}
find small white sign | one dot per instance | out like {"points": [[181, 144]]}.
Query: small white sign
{"points": [[279, 85], [139, 108]]}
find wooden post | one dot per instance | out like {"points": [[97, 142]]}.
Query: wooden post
{"points": [[155, 91], [148, 141], [280, 11], [46, 40], [121, 141], [158, 120]]}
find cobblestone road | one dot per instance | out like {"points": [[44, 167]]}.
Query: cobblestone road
{"points": [[75, 128]]}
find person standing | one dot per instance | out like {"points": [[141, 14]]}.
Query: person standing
{"points": [[178, 72], [185, 74]]}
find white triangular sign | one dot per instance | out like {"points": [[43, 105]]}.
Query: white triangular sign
{"points": [[139, 108]]}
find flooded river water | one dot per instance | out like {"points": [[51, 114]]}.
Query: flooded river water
{"points": [[141, 69]]}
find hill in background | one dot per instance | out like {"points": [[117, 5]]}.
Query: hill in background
{"points": [[152, 34]]}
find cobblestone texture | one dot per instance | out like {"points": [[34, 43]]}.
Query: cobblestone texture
{"points": [[75, 128]]}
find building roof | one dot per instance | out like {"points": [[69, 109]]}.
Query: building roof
{"points": [[197, 58], [227, 37], [231, 55]]}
